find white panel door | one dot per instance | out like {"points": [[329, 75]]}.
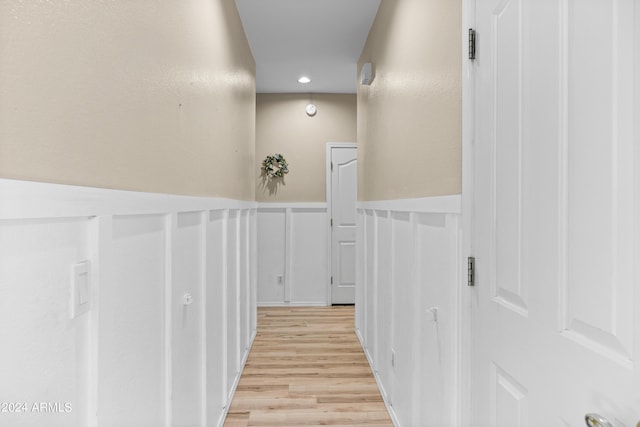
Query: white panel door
{"points": [[555, 325], [343, 218]]}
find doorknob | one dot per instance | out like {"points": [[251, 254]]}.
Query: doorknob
{"points": [[595, 420]]}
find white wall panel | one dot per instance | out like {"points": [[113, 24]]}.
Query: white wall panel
{"points": [[233, 301], [138, 356], [292, 254], [216, 314], [244, 287], [408, 275], [436, 361], [253, 269], [45, 353], [308, 264], [370, 290], [384, 298], [187, 279], [132, 380], [361, 245], [271, 255], [403, 315]]}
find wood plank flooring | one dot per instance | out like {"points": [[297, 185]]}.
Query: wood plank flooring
{"points": [[306, 367]]}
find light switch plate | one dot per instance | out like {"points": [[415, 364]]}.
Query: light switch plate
{"points": [[187, 299], [80, 288]]}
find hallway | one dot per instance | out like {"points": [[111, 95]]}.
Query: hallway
{"points": [[497, 207], [306, 367]]}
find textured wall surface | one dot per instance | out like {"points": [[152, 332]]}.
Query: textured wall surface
{"points": [[409, 119], [136, 95], [282, 126]]}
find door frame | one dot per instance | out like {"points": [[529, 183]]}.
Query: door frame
{"points": [[467, 222], [329, 147]]}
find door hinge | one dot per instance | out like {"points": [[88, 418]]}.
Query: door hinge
{"points": [[471, 271], [472, 44], [332, 222], [332, 280], [331, 166]]}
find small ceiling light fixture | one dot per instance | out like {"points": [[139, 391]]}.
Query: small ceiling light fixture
{"points": [[304, 80]]}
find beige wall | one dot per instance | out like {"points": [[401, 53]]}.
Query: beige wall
{"points": [[409, 119], [140, 95], [282, 126]]}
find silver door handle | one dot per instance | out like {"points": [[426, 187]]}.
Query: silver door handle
{"points": [[595, 420]]}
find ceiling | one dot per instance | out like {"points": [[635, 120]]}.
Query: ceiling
{"points": [[321, 39]]}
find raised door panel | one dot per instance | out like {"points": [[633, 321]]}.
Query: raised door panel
{"points": [[345, 200], [509, 400], [506, 152], [597, 178], [343, 218]]}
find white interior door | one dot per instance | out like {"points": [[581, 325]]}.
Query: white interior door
{"points": [[555, 320], [344, 186]]}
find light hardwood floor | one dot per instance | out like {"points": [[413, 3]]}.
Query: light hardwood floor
{"points": [[306, 367]]}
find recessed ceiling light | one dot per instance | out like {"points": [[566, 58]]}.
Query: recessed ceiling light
{"points": [[304, 79]]}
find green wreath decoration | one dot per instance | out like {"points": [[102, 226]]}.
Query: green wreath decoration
{"points": [[275, 166]]}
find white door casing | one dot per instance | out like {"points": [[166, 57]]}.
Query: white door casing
{"points": [[554, 324], [341, 197]]}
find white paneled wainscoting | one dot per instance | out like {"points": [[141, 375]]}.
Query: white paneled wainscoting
{"points": [[408, 305], [123, 308], [292, 254]]}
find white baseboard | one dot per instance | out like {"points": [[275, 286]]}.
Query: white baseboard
{"points": [[392, 414], [236, 381]]}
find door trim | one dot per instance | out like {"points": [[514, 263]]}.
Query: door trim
{"points": [[331, 145], [467, 221]]}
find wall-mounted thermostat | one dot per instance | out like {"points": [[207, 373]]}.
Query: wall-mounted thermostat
{"points": [[366, 73]]}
